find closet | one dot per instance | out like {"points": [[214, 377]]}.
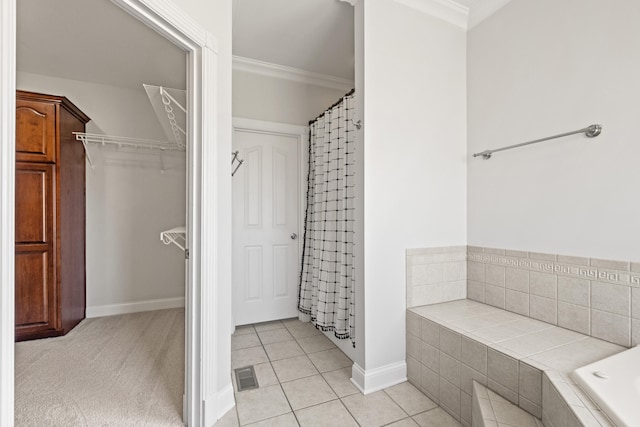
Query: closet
{"points": [[101, 217], [50, 216]]}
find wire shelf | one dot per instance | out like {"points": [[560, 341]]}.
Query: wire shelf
{"points": [[177, 236], [126, 142]]}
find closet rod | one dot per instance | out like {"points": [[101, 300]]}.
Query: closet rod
{"points": [[122, 141], [590, 131]]}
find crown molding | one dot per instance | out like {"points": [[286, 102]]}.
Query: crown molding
{"points": [[288, 73], [446, 10], [480, 13]]}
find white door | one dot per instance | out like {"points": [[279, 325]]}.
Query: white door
{"points": [[266, 253]]}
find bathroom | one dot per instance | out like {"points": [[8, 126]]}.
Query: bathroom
{"points": [[436, 86], [544, 231]]}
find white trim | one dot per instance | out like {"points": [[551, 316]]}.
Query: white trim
{"points": [[174, 25], [7, 209], [134, 307], [221, 403], [167, 19], [482, 11], [274, 128], [208, 338], [212, 43], [209, 225], [255, 66], [376, 379], [446, 10]]}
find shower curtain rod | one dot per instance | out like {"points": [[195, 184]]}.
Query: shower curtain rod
{"points": [[335, 104], [590, 131]]}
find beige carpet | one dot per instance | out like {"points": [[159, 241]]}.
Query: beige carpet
{"points": [[112, 371]]}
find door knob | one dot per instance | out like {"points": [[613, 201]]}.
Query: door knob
{"points": [[294, 236]]}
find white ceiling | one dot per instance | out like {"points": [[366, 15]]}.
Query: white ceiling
{"points": [[94, 41], [311, 35]]}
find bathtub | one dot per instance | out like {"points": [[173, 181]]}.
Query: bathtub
{"points": [[614, 385]]}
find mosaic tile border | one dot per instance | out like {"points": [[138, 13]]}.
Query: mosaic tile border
{"points": [[591, 271], [596, 297]]}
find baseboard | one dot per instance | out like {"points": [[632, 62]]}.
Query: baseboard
{"points": [[372, 380], [215, 407], [134, 307]]}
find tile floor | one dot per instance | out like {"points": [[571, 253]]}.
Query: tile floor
{"points": [[305, 381]]}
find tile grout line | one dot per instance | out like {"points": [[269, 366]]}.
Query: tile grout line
{"points": [[398, 404], [288, 403], [322, 376], [349, 411], [318, 404], [280, 383]]}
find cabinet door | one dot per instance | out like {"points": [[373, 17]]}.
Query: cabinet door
{"points": [[36, 308], [35, 131]]}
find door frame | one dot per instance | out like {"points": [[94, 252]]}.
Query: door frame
{"points": [[208, 389], [301, 133]]}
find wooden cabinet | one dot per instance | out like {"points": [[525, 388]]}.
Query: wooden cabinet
{"points": [[50, 216]]}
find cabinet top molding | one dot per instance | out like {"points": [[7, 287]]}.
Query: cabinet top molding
{"points": [[54, 99]]}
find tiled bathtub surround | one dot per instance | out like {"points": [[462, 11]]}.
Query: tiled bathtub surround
{"points": [[490, 409], [565, 404], [436, 275], [452, 344], [595, 297]]}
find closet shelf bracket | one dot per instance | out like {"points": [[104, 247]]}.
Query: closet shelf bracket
{"points": [[170, 108], [167, 101], [86, 153], [177, 236]]}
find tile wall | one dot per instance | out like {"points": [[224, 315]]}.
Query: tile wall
{"points": [[436, 275], [435, 368], [451, 345], [490, 409], [600, 298], [443, 363]]}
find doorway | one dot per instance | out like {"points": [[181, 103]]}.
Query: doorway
{"points": [[267, 220], [103, 370]]}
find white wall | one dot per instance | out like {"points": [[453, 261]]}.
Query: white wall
{"points": [[116, 110], [414, 158], [129, 200], [215, 17], [538, 68], [278, 100]]}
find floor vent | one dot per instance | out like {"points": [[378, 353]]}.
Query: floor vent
{"points": [[246, 378]]}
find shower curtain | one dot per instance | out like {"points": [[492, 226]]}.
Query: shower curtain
{"points": [[327, 283]]}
